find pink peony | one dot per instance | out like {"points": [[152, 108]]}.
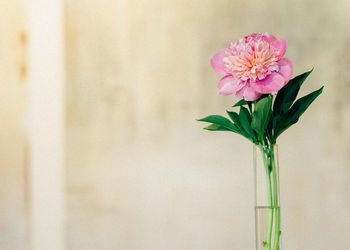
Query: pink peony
{"points": [[252, 66]]}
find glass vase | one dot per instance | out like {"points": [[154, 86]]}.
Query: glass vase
{"points": [[267, 198]]}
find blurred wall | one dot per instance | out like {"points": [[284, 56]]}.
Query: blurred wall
{"points": [[140, 172], [143, 175], [13, 146]]}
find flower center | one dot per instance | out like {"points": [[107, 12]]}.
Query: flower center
{"points": [[251, 59]]}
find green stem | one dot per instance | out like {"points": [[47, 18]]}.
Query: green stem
{"points": [[250, 107], [276, 201], [274, 216], [268, 240], [271, 214]]}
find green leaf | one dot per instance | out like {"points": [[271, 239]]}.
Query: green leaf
{"points": [[261, 115], [216, 127], [221, 121], [246, 120], [293, 114], [286, 96], [240, 103], [235, 118]]}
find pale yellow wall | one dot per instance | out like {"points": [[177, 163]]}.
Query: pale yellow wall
{"points": [[13, 148], [141, 174]]}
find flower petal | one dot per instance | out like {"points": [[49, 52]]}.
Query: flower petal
{"points": [[270, 84], [285, 68], [279, 44], [217, 62], [250, 94], [239, 93], [228, 85]]}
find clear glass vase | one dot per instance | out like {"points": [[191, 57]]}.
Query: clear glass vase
{"points": [[267, 198]]}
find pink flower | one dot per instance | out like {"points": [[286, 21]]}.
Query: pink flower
{"points": [[252, 66]]}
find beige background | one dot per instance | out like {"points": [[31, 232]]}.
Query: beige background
{"points": [[13, 150], [140, 173]]}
